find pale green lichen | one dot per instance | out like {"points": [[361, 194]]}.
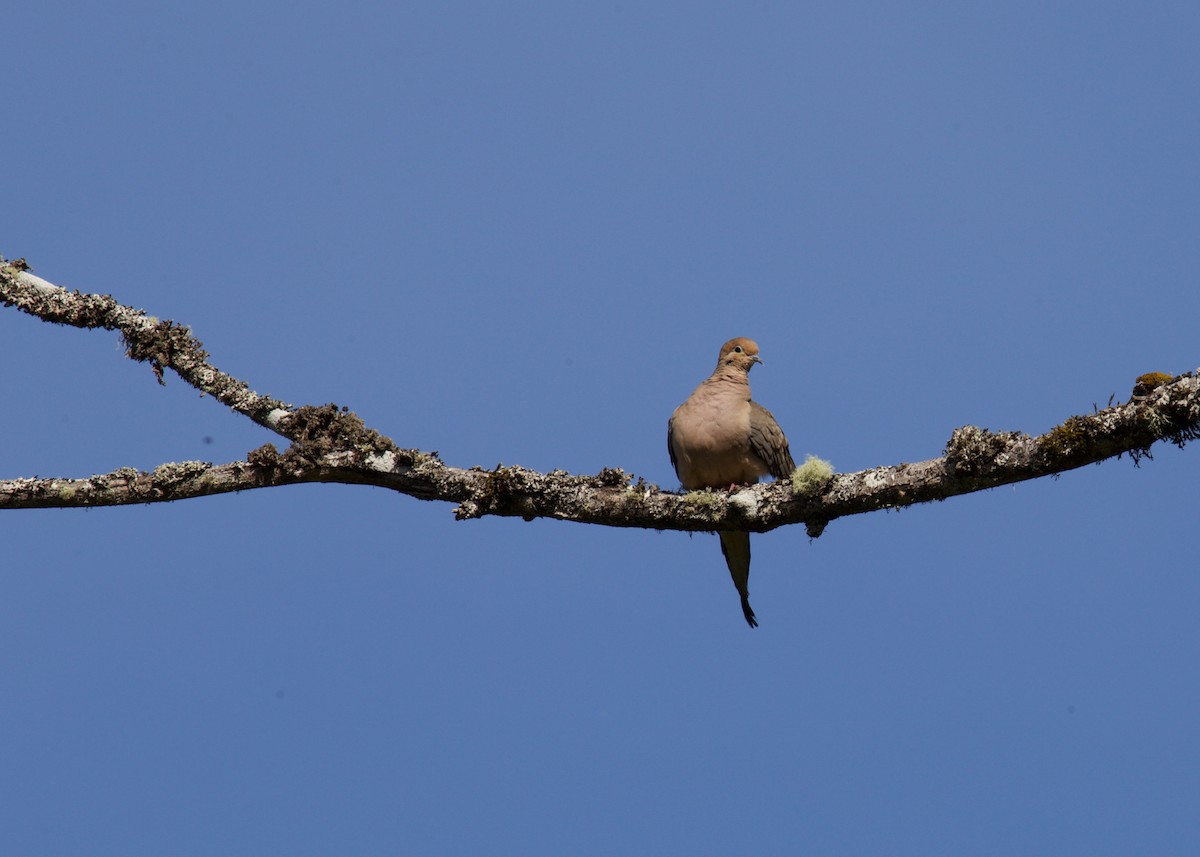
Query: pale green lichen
{"points": [[705, 497], [811, 476]]}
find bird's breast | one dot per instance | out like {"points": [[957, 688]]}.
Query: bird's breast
{"points": [[710, 437]]}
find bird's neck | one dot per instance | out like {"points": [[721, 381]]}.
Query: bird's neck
{"points": [[730, 374]]}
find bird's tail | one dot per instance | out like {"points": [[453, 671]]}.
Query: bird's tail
{"points": [[736, 547]]}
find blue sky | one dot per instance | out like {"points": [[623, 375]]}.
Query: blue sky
{"points": [[518, 233]]}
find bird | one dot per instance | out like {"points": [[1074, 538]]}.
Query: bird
{"points": [[720, 438]]}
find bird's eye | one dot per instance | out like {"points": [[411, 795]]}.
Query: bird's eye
{"points": [[737, 349]]}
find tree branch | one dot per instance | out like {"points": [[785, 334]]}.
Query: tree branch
{"points": [[331, 444]]}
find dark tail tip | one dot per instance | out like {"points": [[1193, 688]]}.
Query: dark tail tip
{"points": [[748, 613]]}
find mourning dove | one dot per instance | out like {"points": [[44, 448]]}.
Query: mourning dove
{"points": [[719, 438]]}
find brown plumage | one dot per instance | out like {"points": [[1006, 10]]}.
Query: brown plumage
{"points": [[719, 438]]}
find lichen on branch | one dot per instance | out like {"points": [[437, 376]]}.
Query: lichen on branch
{"points": [[328, 443]]}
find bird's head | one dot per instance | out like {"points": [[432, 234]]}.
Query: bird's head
{"points": [[741, 353]]}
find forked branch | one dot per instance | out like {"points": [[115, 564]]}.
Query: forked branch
{"points": [[330, 444]]}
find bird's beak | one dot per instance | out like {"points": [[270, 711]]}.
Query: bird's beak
{"points": [[756, 359]]}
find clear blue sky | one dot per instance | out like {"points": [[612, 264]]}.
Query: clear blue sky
{"points": [[518, 233]]}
